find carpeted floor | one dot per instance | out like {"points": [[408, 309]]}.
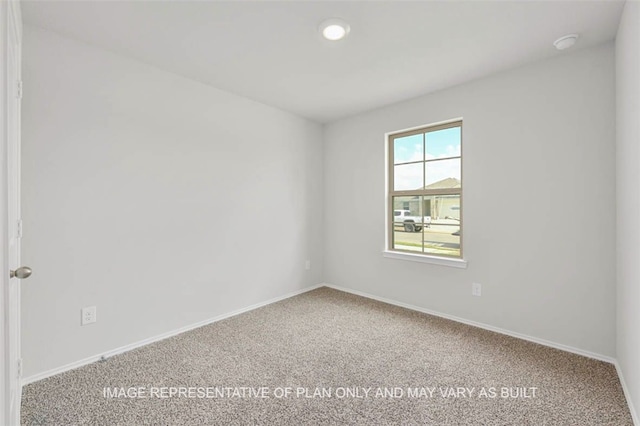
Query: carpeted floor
{"points": [[368, 363]]}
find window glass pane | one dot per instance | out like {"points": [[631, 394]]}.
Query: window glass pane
{"points": [[407, 149], [442, 236], [408, 176], [443, 143], [427, 163], [443, 174], [408, 223]]}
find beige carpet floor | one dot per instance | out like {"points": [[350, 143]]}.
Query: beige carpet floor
{"points": [[375, 363]]}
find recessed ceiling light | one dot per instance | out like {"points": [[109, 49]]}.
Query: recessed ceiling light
{"points": [[334, 29], [566, 41]]}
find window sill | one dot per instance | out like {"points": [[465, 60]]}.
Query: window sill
{"points": [[435, 260]]}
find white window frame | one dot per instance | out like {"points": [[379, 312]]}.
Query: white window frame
{"points": [[389, 251]]}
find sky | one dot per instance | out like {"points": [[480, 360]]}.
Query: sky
{"points": [[439, 144]]}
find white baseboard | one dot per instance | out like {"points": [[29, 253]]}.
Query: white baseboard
{"points": [[479, 325], [126, 348], [634, 414]]}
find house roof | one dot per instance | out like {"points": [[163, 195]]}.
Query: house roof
{"points": [[444, 184]]}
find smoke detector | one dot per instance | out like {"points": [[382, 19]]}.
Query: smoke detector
{"points": [[566, 41]]}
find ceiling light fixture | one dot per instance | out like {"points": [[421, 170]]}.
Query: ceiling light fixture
{"points": [[334, 29], [566, 41]]}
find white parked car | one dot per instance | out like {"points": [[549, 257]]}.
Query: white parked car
{"points": [[404, 219]]}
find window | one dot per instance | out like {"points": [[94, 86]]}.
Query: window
{"points": [[425, 191]]}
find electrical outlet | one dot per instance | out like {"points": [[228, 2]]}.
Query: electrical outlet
{"points": [[88, 315], [476, 289], [307, 265]]}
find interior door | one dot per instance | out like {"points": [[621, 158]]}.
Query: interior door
{"points": [[14, 225]]}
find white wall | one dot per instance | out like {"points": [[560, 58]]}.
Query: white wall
{"points": [[628, 198], [159, 200], [539, 149]]}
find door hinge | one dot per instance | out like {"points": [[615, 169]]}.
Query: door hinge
{"points": [[20, 368], [19, 229], [19, 92]]}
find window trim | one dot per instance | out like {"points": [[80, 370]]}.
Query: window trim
{"points": [[389, 251], [455, 262]]}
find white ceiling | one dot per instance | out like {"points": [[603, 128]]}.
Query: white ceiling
{"points": [[272, 52]]}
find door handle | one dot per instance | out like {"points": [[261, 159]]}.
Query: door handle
{"points": [[21, 273]]}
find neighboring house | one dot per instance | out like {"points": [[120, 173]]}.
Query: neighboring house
{"points": [[438, 206]]}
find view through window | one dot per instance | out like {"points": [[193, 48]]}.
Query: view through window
{"points": [[425, 190]]}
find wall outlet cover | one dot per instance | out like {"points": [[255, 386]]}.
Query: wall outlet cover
{"points": [[88, 315], [476, 289]]}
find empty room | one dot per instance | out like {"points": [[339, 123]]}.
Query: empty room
{"points": [[320, 212]]}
